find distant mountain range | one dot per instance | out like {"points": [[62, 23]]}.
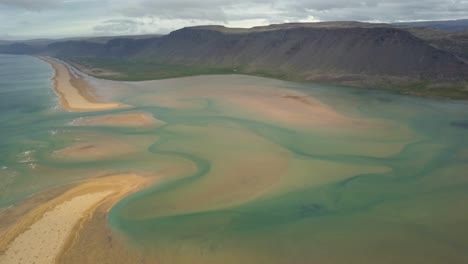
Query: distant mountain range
{"points": [[416, 60], [448, 25]]}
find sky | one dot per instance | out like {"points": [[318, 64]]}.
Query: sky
{"points": [[27, 19]]}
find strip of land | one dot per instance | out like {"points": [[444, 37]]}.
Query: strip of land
{"points": [[122, 120], [74, 92], [43, 233]]}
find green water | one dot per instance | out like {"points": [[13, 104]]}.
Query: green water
{"points": [[243, 187]]}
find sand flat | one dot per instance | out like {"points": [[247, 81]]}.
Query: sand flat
{"points": [[73, 92], [250, 99], [42, 234], [105, 148], [295, 109], [95, 146], [45, 238], [126, 120]]}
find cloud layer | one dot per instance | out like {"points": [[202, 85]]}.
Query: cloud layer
{"points": [[60, 18], [33, 5]]}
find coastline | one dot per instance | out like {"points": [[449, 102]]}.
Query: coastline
{"points": [[241, 164], [45, 225], [46, 231], [73, 92]]}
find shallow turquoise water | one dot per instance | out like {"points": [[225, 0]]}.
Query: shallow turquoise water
{"points": [[257, 190], [25, 103], [413, 212]]}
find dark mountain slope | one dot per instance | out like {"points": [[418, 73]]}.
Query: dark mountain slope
{"points": [[115, 48], [414, 60], [453, 42], [310, 52], [18, 48]]}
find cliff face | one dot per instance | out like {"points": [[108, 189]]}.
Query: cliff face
{"points": [[358, 53], [303, 50]]}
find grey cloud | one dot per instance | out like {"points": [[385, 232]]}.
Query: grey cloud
{"points": [[118, 26], [368, 10], [177, 9], [214, 10], [374, 10], [387, 11], [123, 16], [32, 5]]}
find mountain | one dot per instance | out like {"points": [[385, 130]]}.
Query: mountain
{"points": [[19, 48], [447, 25], [99, 39], [313, 53], [410, 59]]}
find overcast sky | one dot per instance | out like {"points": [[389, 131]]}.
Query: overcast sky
{"points": [[21, 19]]}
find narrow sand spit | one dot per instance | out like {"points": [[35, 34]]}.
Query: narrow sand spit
{"points": [[42, 234], [105, 148], [73, 92], [44, 239], [46, 231], [126, 120]]}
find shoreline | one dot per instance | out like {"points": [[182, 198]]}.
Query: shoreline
{"points": [[46, 224], [74, 92], [44, 233]]}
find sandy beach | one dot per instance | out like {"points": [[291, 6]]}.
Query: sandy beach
{"points": [[73, 92], [228, 169], [44, 232]]}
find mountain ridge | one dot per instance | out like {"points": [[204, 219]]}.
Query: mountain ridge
{"points": [[447, 25], [346, 53]]}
